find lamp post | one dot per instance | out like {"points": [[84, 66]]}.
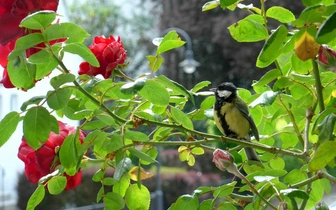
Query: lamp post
{"points": [[189, 64]]}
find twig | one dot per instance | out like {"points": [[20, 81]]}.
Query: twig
{"points": [[318, 85]]}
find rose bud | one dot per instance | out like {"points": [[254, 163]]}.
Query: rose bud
{"points": [[327, 56], [222, 159]]}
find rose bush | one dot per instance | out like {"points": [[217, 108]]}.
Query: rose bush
{"points": [[109, 52], [293, 106], [43, 161]]}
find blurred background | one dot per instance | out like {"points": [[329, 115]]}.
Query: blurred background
{"points": [[216, 58]]}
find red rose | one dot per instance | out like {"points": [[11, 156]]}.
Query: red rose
{"points": [[44, 160], [6, 49], [109, 52], [13, 11], [4, 52]]}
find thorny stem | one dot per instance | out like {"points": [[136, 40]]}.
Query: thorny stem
{"points": [[263, 12], [318, 85], [308, 190], [307, 181], [291, 116], [309, 116], [101, 105], [319, 175], [234, 170]]}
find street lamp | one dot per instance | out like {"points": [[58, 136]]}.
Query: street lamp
{"points": [[189, 64]]}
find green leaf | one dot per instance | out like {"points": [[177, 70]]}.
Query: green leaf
{"points": [[61, 79], [113, 201], [100, 194], [224, 190], [210, 5], [268, 77], [327, 30], [121, 186], [170, 41], [137, 197], [38, 20], [155, 62], [84, 52], [295, 193], [226, 3], [54, 125], [321, 117], [186, 202], [98, 176], [68, 152], [44, 69], [315, 14], [36, 126], [308, 3], [141, 155], [155, 93], [152, 152], [281, 14], [208, 103], [136, 136], [25, 42], [65, 30], [200, 86], [133, 87], [45, 56], [8, 125], [21, 72], [277, 163], [58, 98], [272, 47], [176, 87], [323, 155], [34, 100], [57, 184], [226, 206], [93, 137], [122, 168], [265, 99], [288, 140], [249, 29], [326, 128], [299, 66], [181, 118], [206, 205], [109, 181], [36, 198]]}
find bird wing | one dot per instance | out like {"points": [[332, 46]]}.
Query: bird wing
{"points": [[242, 107]]}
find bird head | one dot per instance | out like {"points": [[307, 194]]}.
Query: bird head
{"points": [[225, 91]]}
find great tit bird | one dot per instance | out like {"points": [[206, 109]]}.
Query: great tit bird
{"points": [[232, 116]]}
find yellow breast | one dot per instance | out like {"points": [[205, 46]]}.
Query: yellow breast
{"points": [[235, 120]]}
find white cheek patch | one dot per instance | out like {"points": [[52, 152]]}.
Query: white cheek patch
{"points": [[224, 93]]}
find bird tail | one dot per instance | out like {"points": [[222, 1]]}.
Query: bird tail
{"points": [[251, 154]]}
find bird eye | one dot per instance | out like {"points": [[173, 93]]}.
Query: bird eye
{"points": [[224, 93]]}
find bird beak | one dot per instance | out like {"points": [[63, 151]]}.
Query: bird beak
{"points": [[213, 90]]}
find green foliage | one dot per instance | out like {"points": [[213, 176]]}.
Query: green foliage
{"points": [[293, 106]]}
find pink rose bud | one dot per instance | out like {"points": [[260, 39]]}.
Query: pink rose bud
{"points": [[222, 159], [326, 54]]}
